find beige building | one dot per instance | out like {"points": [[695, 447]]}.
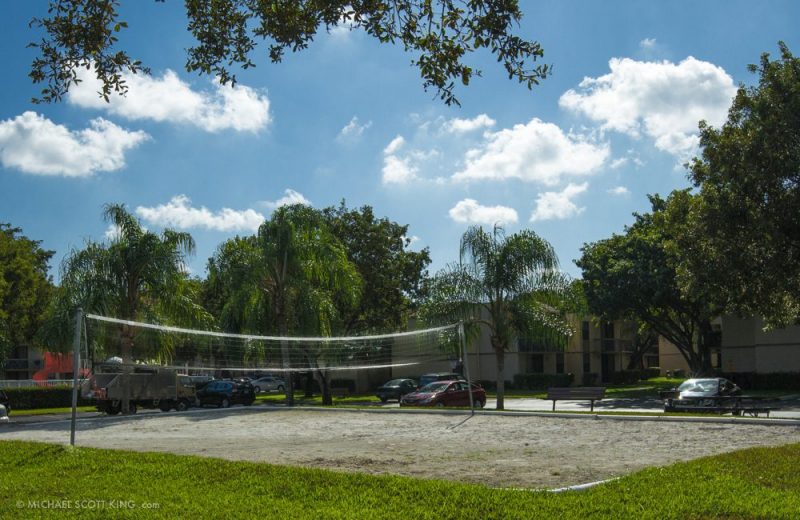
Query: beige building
{"points": [[592, 354]]}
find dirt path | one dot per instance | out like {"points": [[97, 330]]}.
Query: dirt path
{"points": [[530, 452]]}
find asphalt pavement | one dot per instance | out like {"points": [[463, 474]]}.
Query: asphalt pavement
{"points": [[788, 408]]}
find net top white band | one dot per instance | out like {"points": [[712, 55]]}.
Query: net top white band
{"points": [[296, 339]]}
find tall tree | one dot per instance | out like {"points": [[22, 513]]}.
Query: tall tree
{"points": [[138, 276], [393, 275], [288, 280], [25, 288], [747, 224], [509, 284], [634, 276], [84, 34]]}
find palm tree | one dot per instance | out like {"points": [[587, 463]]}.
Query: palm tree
{"points": [[138, 276], [508, 284], [292, 278]]}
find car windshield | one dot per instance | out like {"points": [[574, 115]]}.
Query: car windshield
{"points": [[395, 382], [699, 385], [434, 387]]}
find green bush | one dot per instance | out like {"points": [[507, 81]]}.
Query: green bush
{"points": [[651, 373], [626, 377], [350, 384], [491, 385], [42, 397], [589, 379], [772, 381], [541, 381]]}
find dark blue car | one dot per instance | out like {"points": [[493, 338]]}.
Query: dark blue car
{"points": [[226, 393]]}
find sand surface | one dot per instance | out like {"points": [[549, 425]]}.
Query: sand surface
{"points": [[501, 451]]}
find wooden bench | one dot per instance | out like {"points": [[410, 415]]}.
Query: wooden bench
{"points": [[578, 393]]}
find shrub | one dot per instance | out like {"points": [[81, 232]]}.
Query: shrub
{"points": [[541, 381], [772, 381], [626, 377], [43, 397], [651, 372], [350, 384], [589, 379]]}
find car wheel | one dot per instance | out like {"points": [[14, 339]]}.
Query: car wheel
{"points": [[132, 409], [225, 403], [440, 405], [479, 403], [182, 406], [257, 389], [281, 389]]}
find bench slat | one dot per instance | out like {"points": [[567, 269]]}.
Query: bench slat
{"points": [[590, 393]]}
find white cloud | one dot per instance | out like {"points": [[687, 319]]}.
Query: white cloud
{"points": [[536, 152], [457, 125], [618, 163], [558, 205], [33, 144], [352, 131], [179, 213], [468, 211], [394, 145], [290, 197], [396, 169], [112, 232], [620, 191], [662, 100], [168, 98], [647, 43]]}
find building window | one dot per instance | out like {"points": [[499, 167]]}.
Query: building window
{"points": [[536, 364], [559, 362], [587, 363], [585, 331]]}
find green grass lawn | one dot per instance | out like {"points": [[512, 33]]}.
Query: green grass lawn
{"points": [[45, 480]]}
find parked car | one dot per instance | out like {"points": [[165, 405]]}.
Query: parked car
{"points": [[395, 389], [439, 376], [268, 384], [5, 402], [5, 407], [201, 381], [445, 393], [226, 393], [706, 393]]}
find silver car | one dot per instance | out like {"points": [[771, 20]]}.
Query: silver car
{"points": [[714, 392], [268, 384]]}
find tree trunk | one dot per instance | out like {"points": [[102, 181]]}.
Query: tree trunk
{"points": [[325, 386], [126, 351], [500, 354], [309, 384]]}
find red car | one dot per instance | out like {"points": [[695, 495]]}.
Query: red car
{"points": [[445, 393]]}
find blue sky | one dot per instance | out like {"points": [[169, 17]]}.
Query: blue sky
{"points": [[348, 119]]}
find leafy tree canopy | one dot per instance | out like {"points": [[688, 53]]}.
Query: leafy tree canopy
{"points": [[508, 284], [634, 276], [747, 224], [440, 33], [25, 287], [393, 275]]}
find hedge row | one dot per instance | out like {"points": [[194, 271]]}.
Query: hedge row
{"points": [[773, 381], [541, 381], [42, 397]]}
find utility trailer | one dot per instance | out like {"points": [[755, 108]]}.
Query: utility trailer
{"points": [[146, 386]]}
